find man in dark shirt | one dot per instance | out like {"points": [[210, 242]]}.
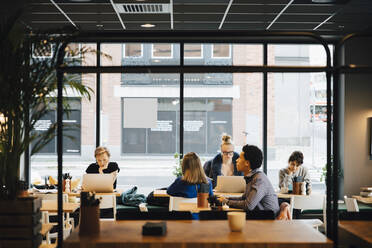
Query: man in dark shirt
{"points": [[259, 193]]}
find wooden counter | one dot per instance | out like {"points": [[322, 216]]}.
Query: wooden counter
{"points": [[357, 233], [208, 234]]}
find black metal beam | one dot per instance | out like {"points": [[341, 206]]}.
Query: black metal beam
{"points": [[192, 69], [264, 136], [61, 55], [98, 96], [182, 83], [196, 36]]}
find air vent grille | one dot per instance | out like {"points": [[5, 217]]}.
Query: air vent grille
{"points": [[144, 8]]}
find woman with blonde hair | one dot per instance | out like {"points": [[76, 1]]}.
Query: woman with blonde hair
{"points": [[192, 177], [103, 164], [224, 163]]}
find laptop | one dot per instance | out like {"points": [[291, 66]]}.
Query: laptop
{"points": [[230, 184], [99, 183]]}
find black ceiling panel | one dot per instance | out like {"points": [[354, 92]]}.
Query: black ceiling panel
{"points": [[198, 17], [301, 15], [144, 17], [199, 8]]}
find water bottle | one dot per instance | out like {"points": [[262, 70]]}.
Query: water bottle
{"points": [[67, 185]]}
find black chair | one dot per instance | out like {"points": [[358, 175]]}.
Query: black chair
{"points": [[212, 215], [250, 215], [355, 215], [172, 215], [260, 215]]}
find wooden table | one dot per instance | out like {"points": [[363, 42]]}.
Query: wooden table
{"points": [[197, 234], [365, 200], [116, 193], [52, 206], [356, 233]]}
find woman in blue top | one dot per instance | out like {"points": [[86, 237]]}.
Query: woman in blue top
{"points": [[224, 163], [192, 176]]}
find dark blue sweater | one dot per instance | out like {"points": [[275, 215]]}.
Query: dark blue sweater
{"points": [[213, 167], [185, 189]]}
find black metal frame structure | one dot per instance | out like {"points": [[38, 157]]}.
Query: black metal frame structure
{"points": [[209, 37]]}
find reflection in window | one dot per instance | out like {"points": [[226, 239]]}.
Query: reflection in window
{"points": [[221, 51], [132, 50], [73, 50], [193, 51], [162, 50], [41, 50]]}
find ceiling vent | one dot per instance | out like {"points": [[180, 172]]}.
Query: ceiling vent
{"points": [[143, 8]]}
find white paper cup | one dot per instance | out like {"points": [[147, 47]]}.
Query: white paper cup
{"points": [[236, 221]]}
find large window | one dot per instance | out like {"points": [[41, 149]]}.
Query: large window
{"points": [[140, 112], [72, 130]]}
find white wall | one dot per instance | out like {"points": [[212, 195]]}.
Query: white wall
{"points": [[358, 108]]}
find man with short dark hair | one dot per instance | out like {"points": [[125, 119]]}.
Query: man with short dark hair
{"points": [[259, 193]]}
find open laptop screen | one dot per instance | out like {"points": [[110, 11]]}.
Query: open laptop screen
{"points": [[100, 183]]}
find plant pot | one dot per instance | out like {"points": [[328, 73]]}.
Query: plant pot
{"points": [[20, 222], [89, 221]]}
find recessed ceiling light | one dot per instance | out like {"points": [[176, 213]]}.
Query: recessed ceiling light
{"points": [[148, 25]]}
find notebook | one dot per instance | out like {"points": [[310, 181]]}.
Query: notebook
{"points": [[99, 183], [230, 184]]}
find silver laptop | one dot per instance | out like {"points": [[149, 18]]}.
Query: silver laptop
{"points": [[99, 183], [230, 184]]}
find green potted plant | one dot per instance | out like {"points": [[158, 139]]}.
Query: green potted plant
{"points": [[177, 169], [28, 86]]}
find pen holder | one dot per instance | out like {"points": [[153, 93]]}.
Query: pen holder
{"points": [[299, 188], [89, 214], [89, 221]]}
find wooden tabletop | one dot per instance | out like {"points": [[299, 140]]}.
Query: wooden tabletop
{"points": [[52, 206], [45, 228], [160, 193], [365, 200], [357, 233], [117, 192], [211, 234]]}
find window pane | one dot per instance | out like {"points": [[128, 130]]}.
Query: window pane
{"points": [[132, 50], [296, 54], [293, 126], [233, 106], [221, 50], [193, 50], [162, 50], [78, 134]]}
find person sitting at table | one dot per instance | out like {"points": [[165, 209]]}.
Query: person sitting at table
{"points": [[102, 165], [259, 193], [192, 176], [223, 163], [294, 169]]}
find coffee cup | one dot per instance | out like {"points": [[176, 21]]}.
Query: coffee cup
{"points": [[236, 221]]}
